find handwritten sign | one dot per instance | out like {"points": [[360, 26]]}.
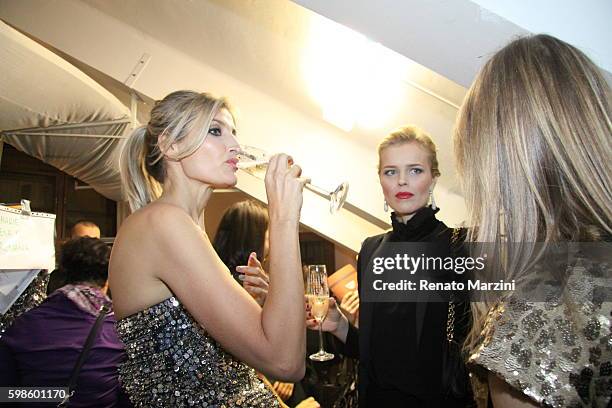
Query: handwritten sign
{"points": [[26, 241]]}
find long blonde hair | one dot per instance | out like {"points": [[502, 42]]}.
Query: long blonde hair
{"points": [[532, 145], [172, 119]]}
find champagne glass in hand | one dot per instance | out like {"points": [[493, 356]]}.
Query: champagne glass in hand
{"points": [[251, 159], [317, 293]]}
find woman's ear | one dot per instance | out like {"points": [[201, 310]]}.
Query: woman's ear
{"points": [[168, 149]]}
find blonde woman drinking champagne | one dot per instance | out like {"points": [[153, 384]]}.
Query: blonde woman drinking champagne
{"points": [[191, 332]]}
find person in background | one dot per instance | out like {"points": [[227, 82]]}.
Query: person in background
{"points": [[40, 349], [241, 241], [533, 143], [82, 228], [401, 346], [85, 228]]}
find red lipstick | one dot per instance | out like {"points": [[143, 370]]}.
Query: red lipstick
{"points": [[403, 195]]}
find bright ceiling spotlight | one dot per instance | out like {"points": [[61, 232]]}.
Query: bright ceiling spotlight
{"points": [[354, 80]]}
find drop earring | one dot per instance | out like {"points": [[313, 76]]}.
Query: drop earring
{"points": [[433, 202], [386, 206]]}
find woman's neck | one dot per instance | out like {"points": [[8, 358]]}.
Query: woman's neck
{"points": [[404, 218], [420, 224], [189, 195]]}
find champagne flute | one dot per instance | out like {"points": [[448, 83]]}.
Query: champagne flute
{"points": [[317, 294], [251, 159]]}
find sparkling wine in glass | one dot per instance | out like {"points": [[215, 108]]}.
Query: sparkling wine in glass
{"points": [[254, 160], [317, 294]]}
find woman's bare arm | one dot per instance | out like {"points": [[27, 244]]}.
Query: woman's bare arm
{"points": [[271, 339], [504, 396]]}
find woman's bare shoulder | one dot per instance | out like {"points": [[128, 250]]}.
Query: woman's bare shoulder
{"points": [[153, 234], [141, 252], [156, 220], [156, 215]]}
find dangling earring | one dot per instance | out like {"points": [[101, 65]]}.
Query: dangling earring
{"points": [[386, 206], [433, 202]]}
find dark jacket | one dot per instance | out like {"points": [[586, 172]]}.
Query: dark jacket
{"points": [[414, 332]]}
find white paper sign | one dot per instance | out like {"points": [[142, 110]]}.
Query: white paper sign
{"points": [[26, 241]]}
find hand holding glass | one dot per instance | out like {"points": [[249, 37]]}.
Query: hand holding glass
{"points": [[317, 294], [251, 159]]}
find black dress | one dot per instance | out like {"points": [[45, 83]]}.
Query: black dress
{"points": [[399, 345]]}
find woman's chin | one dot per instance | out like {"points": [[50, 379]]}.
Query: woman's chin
{"points": [[403, 211], [226, 184]]}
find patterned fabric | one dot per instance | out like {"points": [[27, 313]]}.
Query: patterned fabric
{"points": [[33, 296], [173, 362], [87, 298], [559, 352]]}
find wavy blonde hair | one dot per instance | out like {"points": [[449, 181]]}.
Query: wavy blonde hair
{"points": [[179, 114], [532, 145]]}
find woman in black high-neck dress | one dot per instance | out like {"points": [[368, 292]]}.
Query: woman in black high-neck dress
{"points": [[399, 344]]}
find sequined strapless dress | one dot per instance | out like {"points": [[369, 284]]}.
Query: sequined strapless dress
{"points": [[173, 362]]}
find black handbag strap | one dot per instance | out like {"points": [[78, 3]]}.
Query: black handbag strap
{"points": [[91, 338]]}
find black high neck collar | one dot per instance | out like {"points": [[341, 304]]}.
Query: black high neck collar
{"points": [[422, 223]]}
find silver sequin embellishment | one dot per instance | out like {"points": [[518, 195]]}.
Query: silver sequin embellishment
{"points": [[173, 362]]}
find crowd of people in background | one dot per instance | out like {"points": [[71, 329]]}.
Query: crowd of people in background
{"points": [[41, 347], [201, 322]]}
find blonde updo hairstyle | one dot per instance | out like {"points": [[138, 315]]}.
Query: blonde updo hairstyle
{"points": [[411, 134], [179, 114]]}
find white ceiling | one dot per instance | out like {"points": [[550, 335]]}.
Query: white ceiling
{"points": [[261, 43], [585, 24], [455, 37]]}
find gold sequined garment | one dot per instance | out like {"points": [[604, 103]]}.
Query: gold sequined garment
{"points": [[173, 362], [559, 352]]}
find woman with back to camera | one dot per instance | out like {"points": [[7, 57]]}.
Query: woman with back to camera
{"points": [[400, 344], [536, 124], [191, 332]]}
